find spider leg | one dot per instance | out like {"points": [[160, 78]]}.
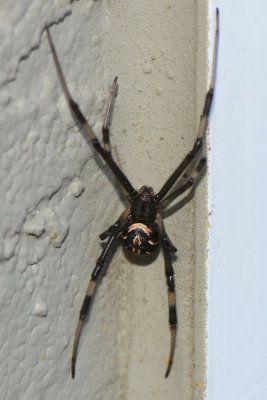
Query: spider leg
{"points": [[113, 227], [164, 236], [107, 122], [204, 119], [91, 288], [186, 185], [168, 249], [105, 152]]}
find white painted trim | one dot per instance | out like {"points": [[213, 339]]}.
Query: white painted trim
{"points": [[237, 297]]}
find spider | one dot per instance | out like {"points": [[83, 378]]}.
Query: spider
{"points": [[140, 227]]}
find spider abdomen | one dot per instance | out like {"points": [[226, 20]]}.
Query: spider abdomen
{"points": [[140, 239]]}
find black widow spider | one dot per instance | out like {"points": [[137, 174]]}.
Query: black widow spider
{"points": [[141, 226]]}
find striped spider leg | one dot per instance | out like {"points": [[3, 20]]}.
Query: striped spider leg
{"points": [[198, 145], [120, 224], [186, 183], [78, 115]]}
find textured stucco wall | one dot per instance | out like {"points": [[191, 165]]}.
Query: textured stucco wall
{"points": [[56, 197]]}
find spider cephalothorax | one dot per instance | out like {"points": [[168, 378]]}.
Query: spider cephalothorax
{"points": [[141, 225], [144, 206]]}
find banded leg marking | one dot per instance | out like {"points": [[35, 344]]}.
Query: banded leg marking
{"points": [[168, 250], [91, 289], [172, 319], [83, 315]]}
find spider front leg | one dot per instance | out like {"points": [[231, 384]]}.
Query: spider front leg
{"points": [[106, 125], [92, 285], [105, 151], [168, 250], [204, 119]]}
